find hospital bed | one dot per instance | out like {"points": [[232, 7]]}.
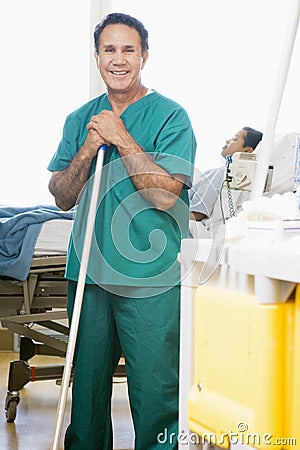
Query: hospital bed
{"points": [[34, 309]]}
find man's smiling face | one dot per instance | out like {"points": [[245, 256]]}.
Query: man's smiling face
{"points": [[120, 58]]}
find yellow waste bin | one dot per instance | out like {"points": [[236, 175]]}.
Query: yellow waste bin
{"points": [[246, 370]]}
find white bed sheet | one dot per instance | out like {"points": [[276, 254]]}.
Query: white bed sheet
{"points": [[54, 237]]}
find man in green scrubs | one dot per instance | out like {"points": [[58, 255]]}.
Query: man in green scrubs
{"points": [[132, 292]]}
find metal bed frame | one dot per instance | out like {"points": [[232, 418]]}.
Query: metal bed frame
{"points": [[40, 299]]}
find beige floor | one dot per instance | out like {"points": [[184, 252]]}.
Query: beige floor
{"points": [[34, 423]]}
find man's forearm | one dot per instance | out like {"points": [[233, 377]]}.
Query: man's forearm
{"points": [[154, 183], [67, 184]]}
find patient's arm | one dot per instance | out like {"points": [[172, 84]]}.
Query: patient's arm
{"points": [[197, 216]]}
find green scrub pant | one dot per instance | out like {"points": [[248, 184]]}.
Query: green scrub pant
{"points": [[146, 331]]}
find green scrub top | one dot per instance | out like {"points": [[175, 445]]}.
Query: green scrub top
{"points": [[134, 244]]}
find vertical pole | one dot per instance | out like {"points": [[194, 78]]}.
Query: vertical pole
{"points": [[268, 138], [98, 9]]}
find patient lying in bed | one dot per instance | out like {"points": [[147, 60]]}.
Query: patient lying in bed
{"points": [[282, 159]]}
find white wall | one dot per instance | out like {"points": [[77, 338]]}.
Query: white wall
{"points": [[44, 75], [218, 58]]}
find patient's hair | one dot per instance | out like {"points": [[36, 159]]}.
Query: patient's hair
{"points": [[253, 137], [124, 19]]}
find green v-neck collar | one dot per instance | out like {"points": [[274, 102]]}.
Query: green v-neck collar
{"points": [[139, 104]]}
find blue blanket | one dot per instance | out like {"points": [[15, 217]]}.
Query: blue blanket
{"points": [[19, 230]]}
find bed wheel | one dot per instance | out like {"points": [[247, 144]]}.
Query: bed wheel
{"points": [[11, 404]]}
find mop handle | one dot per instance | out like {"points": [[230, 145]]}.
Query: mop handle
{"points": [[78, 300]]}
